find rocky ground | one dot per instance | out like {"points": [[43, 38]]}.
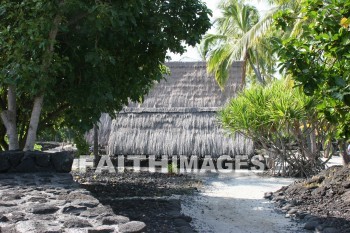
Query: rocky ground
{"points": [[45, 202], [322, 202], [151, 202], [152, 198]]}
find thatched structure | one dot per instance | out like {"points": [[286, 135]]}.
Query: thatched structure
{"points": [[104, 130], [178, 117]]}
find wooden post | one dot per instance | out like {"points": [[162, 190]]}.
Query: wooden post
{"points": [[96, 156]]}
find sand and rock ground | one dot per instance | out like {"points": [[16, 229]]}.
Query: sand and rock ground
{"points": [[153, 198], [234, 203], [321, 203], [155, 202]]}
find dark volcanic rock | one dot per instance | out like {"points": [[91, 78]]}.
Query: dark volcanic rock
{"points": [[43, 209], [3, 218], [11, 196], [4, 163], [17, 216], [7, 204], [311, 225], [15, 157], [326, 197], [102, 229], [35, 161], [115, 220], [62, 161], [75, 210], [158, 214], [132, 227], [27, 165], [41, 159], [77, 223]]}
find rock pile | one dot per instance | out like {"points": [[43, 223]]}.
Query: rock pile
{"points": [[44, 202], [35, 161], [322, 202]]}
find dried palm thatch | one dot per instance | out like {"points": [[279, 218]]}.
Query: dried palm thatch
{"points": [[104, 130], [178, 117]]}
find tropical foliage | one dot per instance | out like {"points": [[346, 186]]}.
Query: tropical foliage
{"points": [[291, 120], [318, 58], [284, 122], [222, 49], [243, 34], [63, 63]]}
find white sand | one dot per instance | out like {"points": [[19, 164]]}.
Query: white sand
{"points": [[234, 203]]}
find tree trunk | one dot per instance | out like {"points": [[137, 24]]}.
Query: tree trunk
{"points": [[9, 118], [327, 150], [244, 69], [34, 122], [256, 71], [313, 142], [38, 101], [343, 152], [96, 156]]}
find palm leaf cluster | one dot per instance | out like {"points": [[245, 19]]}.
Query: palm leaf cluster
{"points": [[243, 34]]}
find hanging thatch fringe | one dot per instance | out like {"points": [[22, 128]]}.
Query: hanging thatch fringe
{"points": [[173, 134]]}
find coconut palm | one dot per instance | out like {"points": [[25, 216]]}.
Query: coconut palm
{"points": [[242, 35]]}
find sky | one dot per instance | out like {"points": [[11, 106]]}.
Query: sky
{"points": [[192, 52]]}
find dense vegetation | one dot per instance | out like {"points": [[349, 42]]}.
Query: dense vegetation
{"points": [[318, 59], [295, 122], [63, 63]]}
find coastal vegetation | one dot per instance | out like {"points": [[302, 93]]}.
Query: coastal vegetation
{"points": [[297, 117]]}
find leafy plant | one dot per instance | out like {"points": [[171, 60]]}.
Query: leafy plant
{"points": [[318, 58], [284, 122], [38, 147], [63, 63], [172, 168]]}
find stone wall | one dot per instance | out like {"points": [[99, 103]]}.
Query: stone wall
{"points": [[35, 161]]}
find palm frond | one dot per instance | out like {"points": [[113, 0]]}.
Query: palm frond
{"points": [[251, 37], [210, 40], [219, 65]]}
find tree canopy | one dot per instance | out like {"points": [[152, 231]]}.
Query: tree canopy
{"points": [[80, 58], [318, 56]]}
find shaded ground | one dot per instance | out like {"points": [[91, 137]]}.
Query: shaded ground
{"points": [[322, 202], [149, 197]]}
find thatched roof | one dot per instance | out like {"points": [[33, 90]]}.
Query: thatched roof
{"points": [[189, 86], [178, 117]]}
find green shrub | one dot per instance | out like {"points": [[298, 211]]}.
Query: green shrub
{"points": [[38, 147], [285, 122]]}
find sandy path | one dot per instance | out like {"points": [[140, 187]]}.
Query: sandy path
{"points": [[233, 203]]}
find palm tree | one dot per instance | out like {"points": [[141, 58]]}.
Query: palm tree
{"points": [[242, 35]]}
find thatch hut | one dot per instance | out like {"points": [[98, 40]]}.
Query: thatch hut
{"points": [[179, 117]]}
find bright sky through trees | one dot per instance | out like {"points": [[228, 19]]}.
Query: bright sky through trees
{"points": [[192, 53]]}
